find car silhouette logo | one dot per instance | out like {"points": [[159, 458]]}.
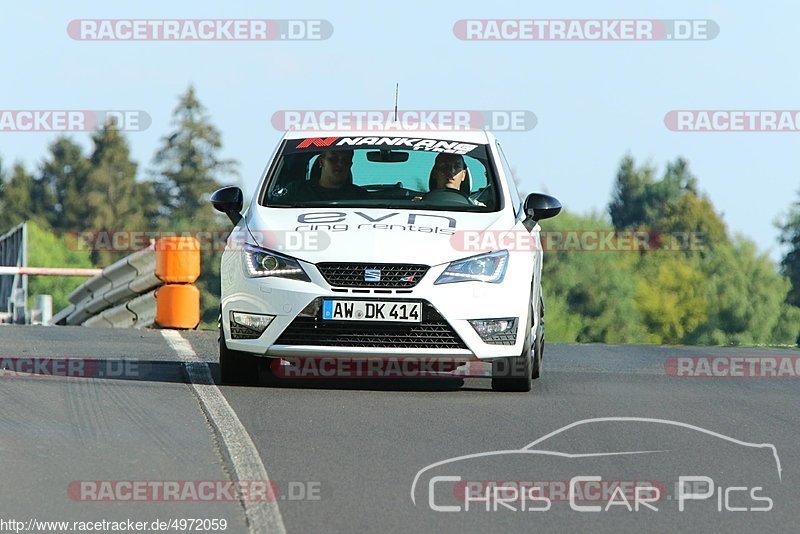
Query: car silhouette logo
{"points": [[372, 275]]}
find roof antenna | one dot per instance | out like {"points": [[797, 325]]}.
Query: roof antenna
{"points": [[396, 91]]}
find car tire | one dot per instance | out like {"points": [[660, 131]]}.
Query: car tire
{"points": [[237, 368], [515, 373], [538, 346]]}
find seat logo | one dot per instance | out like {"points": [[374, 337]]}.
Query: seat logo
{"points": [[372, 275]]}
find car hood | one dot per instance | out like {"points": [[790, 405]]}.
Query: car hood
{"points": [[369, 235]]}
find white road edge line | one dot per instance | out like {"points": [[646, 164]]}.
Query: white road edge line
{"points": [[263, 516]]}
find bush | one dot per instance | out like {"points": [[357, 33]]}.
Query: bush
{"points": [[46, 249]]}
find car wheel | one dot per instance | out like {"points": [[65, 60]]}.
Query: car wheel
{"points": [[236, 367], [514, 374]]}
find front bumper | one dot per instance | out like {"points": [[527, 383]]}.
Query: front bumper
{"points": [[455, 304]]}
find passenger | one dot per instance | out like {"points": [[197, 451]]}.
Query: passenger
{"points": [[450, 175], [449, 171]]}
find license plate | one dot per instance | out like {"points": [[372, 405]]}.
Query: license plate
{"points": [[366, 310]]}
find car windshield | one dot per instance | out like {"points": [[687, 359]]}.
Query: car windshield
{"points": [[383, 172]]}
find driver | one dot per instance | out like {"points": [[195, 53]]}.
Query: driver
{"points": [[334, 181]]}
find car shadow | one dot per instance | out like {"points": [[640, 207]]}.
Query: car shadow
{"points": [[370, 384], [72, 368], [175, 371]]}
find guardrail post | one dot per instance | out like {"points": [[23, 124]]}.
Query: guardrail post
{"points": [[43, 304], [14, 287]]}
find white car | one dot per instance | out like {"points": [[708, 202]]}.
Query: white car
{"points": [[360, 245]]}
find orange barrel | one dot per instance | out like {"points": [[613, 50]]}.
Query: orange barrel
{"points": [[177, 259], [178, 306]]}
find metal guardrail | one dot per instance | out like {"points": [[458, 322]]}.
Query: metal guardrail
{"points": [[125, 294], [14, 286], [103, 299]]}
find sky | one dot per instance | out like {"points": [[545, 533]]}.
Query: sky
{"points": [[595, 101]]}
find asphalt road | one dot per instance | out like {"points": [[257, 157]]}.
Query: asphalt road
{"points": [[355, 455]]}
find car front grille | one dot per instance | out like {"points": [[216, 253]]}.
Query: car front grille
{"points": [[433, 332], [379, 275]]}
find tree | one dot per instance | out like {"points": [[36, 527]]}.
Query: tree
{"points": [[693, 215], [98, 192], [114, 196], [746, 299], [61, 186], [640, 200], [790, 264], [46, 249], [113, 199], [187, 165], [671, 205], [628, 207], [17, 198], [595, 289], [188, 169], [670, 296]]}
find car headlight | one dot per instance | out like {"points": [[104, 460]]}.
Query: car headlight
{"points": [[260, 262], [484, 268]]}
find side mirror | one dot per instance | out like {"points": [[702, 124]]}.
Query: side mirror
{"points": [[539, 206], [229, 200]]}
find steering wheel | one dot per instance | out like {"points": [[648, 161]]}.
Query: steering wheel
{"points": [[446, 196], [482, 195], [390, 191]]}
